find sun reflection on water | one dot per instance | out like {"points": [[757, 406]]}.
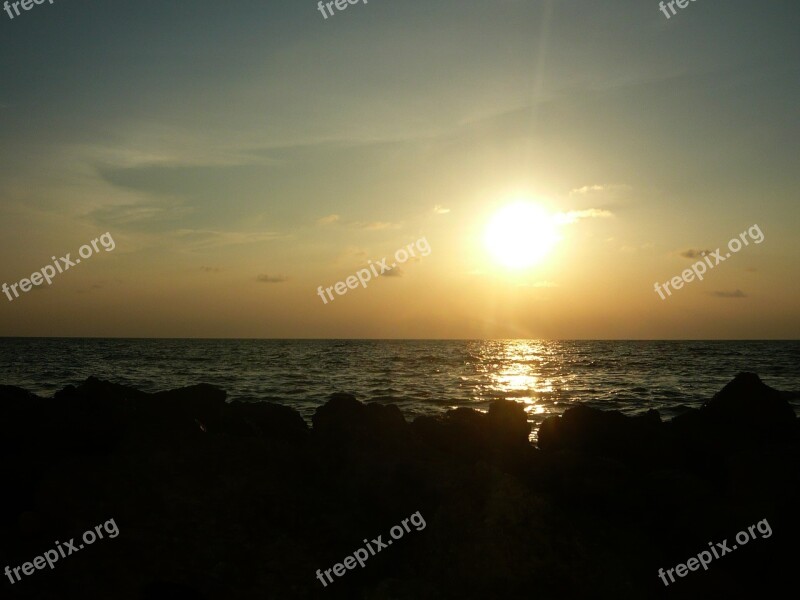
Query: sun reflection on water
{"points": [[530, 372]]}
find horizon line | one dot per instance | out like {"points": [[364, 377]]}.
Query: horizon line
{"points": [[367, 339]]}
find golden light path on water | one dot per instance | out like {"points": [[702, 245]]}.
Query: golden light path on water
{"points": [[530, 372]]}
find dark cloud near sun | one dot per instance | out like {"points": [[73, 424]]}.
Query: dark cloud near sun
{"points": [[272, 279], [692, 253]]}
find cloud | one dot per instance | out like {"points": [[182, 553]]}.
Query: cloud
{"points": [[587, 189], [330, 219], [375, 225], [575, 215], [692, 253], [204, 239], [364, 225], [395, 272], [440, 210], [210, 269], [639, 248], [596, 189], [540, 284], [132, 214], [272, 279], [169, 147], [733, 294], [351, 254]]}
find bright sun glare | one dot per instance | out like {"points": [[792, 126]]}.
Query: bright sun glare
{"points": [[520, 235]]}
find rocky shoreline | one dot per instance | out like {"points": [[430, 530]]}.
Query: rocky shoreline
{"points": [[230, 500]]}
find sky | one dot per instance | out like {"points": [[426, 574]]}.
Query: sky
{"points": [[244, 155]]}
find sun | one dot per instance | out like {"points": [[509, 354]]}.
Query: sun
{"points": [[520, 235]]}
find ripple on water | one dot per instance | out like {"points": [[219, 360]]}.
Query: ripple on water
{"points": [[423, 377]]}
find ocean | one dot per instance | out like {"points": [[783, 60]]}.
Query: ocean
{"points": [[421, 377]]}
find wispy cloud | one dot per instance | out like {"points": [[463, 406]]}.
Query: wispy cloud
{"points": [[440, 210], [576, 215], [365, 225], [169, 147], [210, 269], [375, 225], [272, 278], [693, 253], [330, 219], [733, 294], [351, 255], [396, 272], [203, 239], [639, 248], [130, 214], [597, 189]]}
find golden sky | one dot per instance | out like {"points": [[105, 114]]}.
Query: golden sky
{"points": [[241, 157]]}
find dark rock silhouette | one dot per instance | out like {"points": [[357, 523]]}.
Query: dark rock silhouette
{"points": [[243, 500], [745, 416], [345, 420], [263, 419], [742, 399], [605, 433], [169, 591]]}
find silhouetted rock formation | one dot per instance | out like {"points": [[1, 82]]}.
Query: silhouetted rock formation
{"points": [[244, 500], [746, 403], [604, 433]]}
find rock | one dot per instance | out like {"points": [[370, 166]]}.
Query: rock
{"points": [[97, 389], [469, 434], [345, 420], [264, 419], [164, 590], [252, 503], [194, 407], [633, 440], [749, 403], [508, 424], [744, 414], [15, 394]]}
